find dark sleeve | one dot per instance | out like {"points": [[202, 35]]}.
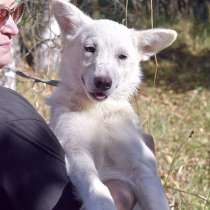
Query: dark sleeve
{"points": [[32, 169]]}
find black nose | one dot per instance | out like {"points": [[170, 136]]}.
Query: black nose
{"points": [[103, 83]]}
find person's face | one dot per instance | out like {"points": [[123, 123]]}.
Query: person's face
{"points": [[7, 30]]}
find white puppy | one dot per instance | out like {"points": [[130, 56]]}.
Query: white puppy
{"points": [[91, 113]]}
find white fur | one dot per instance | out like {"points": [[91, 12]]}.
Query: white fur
{"points": [[100, 133]]}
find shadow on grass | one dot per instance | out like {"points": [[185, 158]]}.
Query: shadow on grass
{"points": [[180, 69]]}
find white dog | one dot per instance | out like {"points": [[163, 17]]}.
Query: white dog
{"points": [[91, 113]]}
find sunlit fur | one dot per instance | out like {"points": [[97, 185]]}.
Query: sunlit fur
{"points": [[102, 138]]}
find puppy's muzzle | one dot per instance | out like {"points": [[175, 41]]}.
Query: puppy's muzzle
{"points": [[102, 83]]}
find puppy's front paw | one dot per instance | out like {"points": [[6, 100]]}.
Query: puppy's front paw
{"points": [[101, 203], [100, 200]]}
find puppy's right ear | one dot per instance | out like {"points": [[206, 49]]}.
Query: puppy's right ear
{"points": [[69, 17]]}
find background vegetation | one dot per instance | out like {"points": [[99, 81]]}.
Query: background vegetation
{"points": [[175, 108]]}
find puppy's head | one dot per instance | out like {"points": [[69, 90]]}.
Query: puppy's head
{"points": [[101, 57]]}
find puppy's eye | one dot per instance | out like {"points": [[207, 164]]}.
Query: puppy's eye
{"points": [[90, 49], [122, 57]]}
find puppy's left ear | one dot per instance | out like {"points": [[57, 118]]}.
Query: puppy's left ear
{"points": [[152, 41]]}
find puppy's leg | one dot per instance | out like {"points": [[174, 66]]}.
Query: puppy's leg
{"points": [[76, 136], [148, 187], [94, 194], [130, 151]]}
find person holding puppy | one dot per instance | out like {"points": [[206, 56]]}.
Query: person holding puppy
{"points": [[32, 168]]}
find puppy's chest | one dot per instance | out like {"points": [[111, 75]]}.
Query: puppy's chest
{"points": [[114, 136], [113, 125]]}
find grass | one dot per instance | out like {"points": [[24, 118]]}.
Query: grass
{"points": [[176, 112], [179, 125]]}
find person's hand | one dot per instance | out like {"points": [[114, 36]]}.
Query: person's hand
{"points": [[121, 191], [122, 194]]}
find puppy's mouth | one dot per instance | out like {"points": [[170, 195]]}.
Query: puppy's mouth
{"points": [[96, 95], [99, 96]]}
